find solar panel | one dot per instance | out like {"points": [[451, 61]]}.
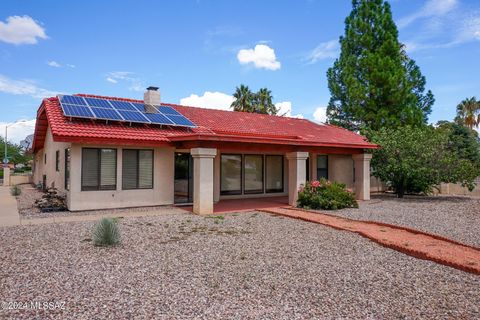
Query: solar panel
{"points": [[71, 110], [157, 118], [93, 102], [123, 105], [168, 111], [180, 120], [115, 110], [106, 114], [73, 100], [133, 116]]}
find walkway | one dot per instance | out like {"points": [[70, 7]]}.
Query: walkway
{"points": [[238, 205], [409, 241], [8, 208]]}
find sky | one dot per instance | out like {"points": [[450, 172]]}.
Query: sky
{"points": [[197, 52]]}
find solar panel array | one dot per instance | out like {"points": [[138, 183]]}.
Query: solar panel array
{"points": [[115, 110]]}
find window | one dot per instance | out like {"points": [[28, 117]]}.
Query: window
{"points": [[45, 158], [57, 160], [67, 169], [322, 167], [231, 174], [274, 174], [137, 169], [253, 176], [99, 169]]}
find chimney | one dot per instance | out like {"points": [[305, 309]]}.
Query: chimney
{"points": [[151, 98]]}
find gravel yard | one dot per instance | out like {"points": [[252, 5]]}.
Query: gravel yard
{"points": [[242, 266], [28, 210], [454, 217]]}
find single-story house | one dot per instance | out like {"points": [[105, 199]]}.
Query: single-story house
{"points": [[107, 152]]}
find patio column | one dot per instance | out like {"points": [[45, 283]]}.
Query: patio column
{"points": [[6, 176], [362, 175], [296, 174], [203, 179]]}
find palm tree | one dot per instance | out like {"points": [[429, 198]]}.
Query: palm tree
{"points": [[468, 113], [263, 102], [243, 99]]}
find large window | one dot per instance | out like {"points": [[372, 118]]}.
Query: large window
{"points": [[67, 169], [274, 174], [99, 169], [322, 166], [253, 176], [231, 174], [137, 169]]}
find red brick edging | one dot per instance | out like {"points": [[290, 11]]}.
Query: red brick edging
{"points": [[313, 216]]}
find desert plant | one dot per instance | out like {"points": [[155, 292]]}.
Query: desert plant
{"points": [[326, 195], [15, 191], [106, 233]]}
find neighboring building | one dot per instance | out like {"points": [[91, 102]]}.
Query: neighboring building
{"points": [[224, 155]]}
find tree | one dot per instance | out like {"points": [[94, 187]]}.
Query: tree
{"points": [[16, 154], [263, 102], [243, 99], [468, 113], [374, 83], [416, 159]]}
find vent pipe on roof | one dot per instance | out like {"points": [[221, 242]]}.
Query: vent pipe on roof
{"points": [[151, 98]]}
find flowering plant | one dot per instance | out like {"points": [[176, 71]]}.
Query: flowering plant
{"points": [[323, 194]]}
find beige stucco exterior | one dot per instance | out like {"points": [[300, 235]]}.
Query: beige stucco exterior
{"points": [[206, 176]]}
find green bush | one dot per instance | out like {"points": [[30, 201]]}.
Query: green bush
{"points": [[106, 233], [15, 191], [325, 195]]}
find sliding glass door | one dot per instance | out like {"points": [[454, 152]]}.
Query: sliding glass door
{"points": [[183, 184]]}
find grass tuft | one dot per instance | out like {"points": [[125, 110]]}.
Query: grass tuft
{"points": [[106, 233]]}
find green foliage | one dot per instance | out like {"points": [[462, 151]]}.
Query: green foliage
{"points": [[468, 113], [15, 153], [325, 195], [416, 159], [15, 191], [106, 233], [374, 83], [247, 101]]}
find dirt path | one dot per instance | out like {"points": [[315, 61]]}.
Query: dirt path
{"points": [[409, 241]]}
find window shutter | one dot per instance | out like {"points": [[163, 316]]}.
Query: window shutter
{"points": [[89, 169], [108, 166], [145, 169], [129, 180]]}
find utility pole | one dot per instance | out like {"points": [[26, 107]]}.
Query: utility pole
{"points": [[5, 159]]}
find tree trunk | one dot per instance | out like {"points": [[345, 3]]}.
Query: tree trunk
{"points": [[400, 190]]}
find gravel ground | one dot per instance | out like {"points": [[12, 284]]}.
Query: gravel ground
{"points": [[245, 266], [28, 210], [455, 217]]}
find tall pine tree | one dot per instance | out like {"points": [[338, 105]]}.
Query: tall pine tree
{"points": [[374, 83]]}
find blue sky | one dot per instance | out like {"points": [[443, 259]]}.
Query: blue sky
{"points": [[197, 52]]}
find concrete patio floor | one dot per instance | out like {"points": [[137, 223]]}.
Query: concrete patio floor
{"points": [[236, 205]]}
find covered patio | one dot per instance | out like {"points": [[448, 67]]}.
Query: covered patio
{"points": [[239, 205]]}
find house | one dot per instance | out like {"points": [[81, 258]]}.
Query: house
{"points": [[107, 161]]}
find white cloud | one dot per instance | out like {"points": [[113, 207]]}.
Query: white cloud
{"points": [[70, 65], [210, 100], [432, 8], [22, 87], [320, 114], [285, 109], [54, 64], [325, 50], [21, 30], [135, 83], [262, 56], [19, 130]]}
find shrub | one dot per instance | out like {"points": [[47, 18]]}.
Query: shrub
{"points": [[15, 191], [326, 195], [106, 233]]}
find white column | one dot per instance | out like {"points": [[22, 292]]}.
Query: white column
{"points": [[296, 174], [6, 176], [203, 179], [362, 175]]}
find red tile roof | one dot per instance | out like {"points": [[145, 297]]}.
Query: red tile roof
{"points": [[214, 125]]}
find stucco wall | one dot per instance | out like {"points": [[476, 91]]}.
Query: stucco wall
{"points": [[340, 169], [161, 194], [54, 178]]}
